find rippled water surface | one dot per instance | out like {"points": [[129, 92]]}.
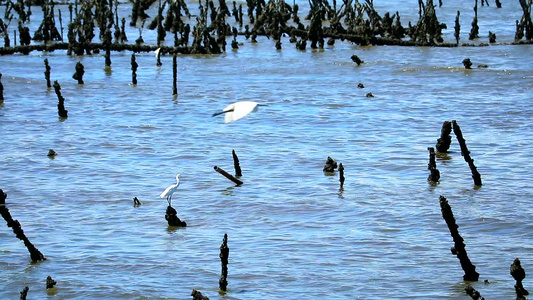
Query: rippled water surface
{"points": [[293, 233]]}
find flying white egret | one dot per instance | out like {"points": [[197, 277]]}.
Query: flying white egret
{"points": [[238, 110], [170, 190]]}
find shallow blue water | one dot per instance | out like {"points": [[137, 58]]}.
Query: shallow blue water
{"points": [[292, 232]]}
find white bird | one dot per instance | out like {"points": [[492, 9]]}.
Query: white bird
{"points": [[238, 110], [170, 190]]}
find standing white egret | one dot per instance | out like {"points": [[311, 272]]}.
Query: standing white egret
{"points": [[238, 110], [170, 190]]}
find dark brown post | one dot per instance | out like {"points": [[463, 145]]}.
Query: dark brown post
{"points": [[35, 254], [459, 246], [175, 75], [228, 176], [466, 154], [224, 255], [236, 164]]}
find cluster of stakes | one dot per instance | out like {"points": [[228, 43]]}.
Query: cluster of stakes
{"points": [[443, 144]]}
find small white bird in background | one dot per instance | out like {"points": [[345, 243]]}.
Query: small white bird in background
{"points": [[238, 110], [170, 190]]}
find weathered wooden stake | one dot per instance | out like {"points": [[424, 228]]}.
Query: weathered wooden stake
{"points": [[228, 176], [47, 73], [443, 143], [1, 90], [172, 218], [50, 282], [434, 175], [470, 291], [61, 111], [519, 274], [35, 254], [459, 246], [80, 70], [134, 67], [341, 175], [196, 295], [466, 154], [175, 74], [24, 293], [236, 164], [224, 255]]}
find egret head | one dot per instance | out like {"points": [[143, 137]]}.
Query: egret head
{"points": [[178, 176]]}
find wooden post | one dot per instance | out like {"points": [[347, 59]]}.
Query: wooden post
{"points": [[466, 154], [228, 176], [175, 74], [224, 255], [459, 246], [35, 254], [236, 164], [341, 175]]}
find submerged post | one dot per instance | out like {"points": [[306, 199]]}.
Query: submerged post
{"points": [[175, 74], [341, 175], [80, 70], [47, 73], [24, 293], [443, 143], [459, 246], [228, 176], [134, 67], [470, 291], [196, 295], [1, 90], [466, 154], [224, 255], [172, 218], [61, 111], [518, 274], [330, 165], [50, 282], [434, 174], [236, 164], [35, 254]]}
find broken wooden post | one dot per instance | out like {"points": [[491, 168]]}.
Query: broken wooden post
{"points": [[175, 74], [330, 165], [228, 176], [434, 175], [467, 63], [47, 73], [459, 246], [80, 70], [134, 67], [1, 90], [236, 164], [61, 111], [24, 293], [518, 274], [35, 254], [196, 295], [341, 175], [172, 218], [470, 291], [357, 60], [224, 255], [466, 154], [50, 282], [443, 143]]}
